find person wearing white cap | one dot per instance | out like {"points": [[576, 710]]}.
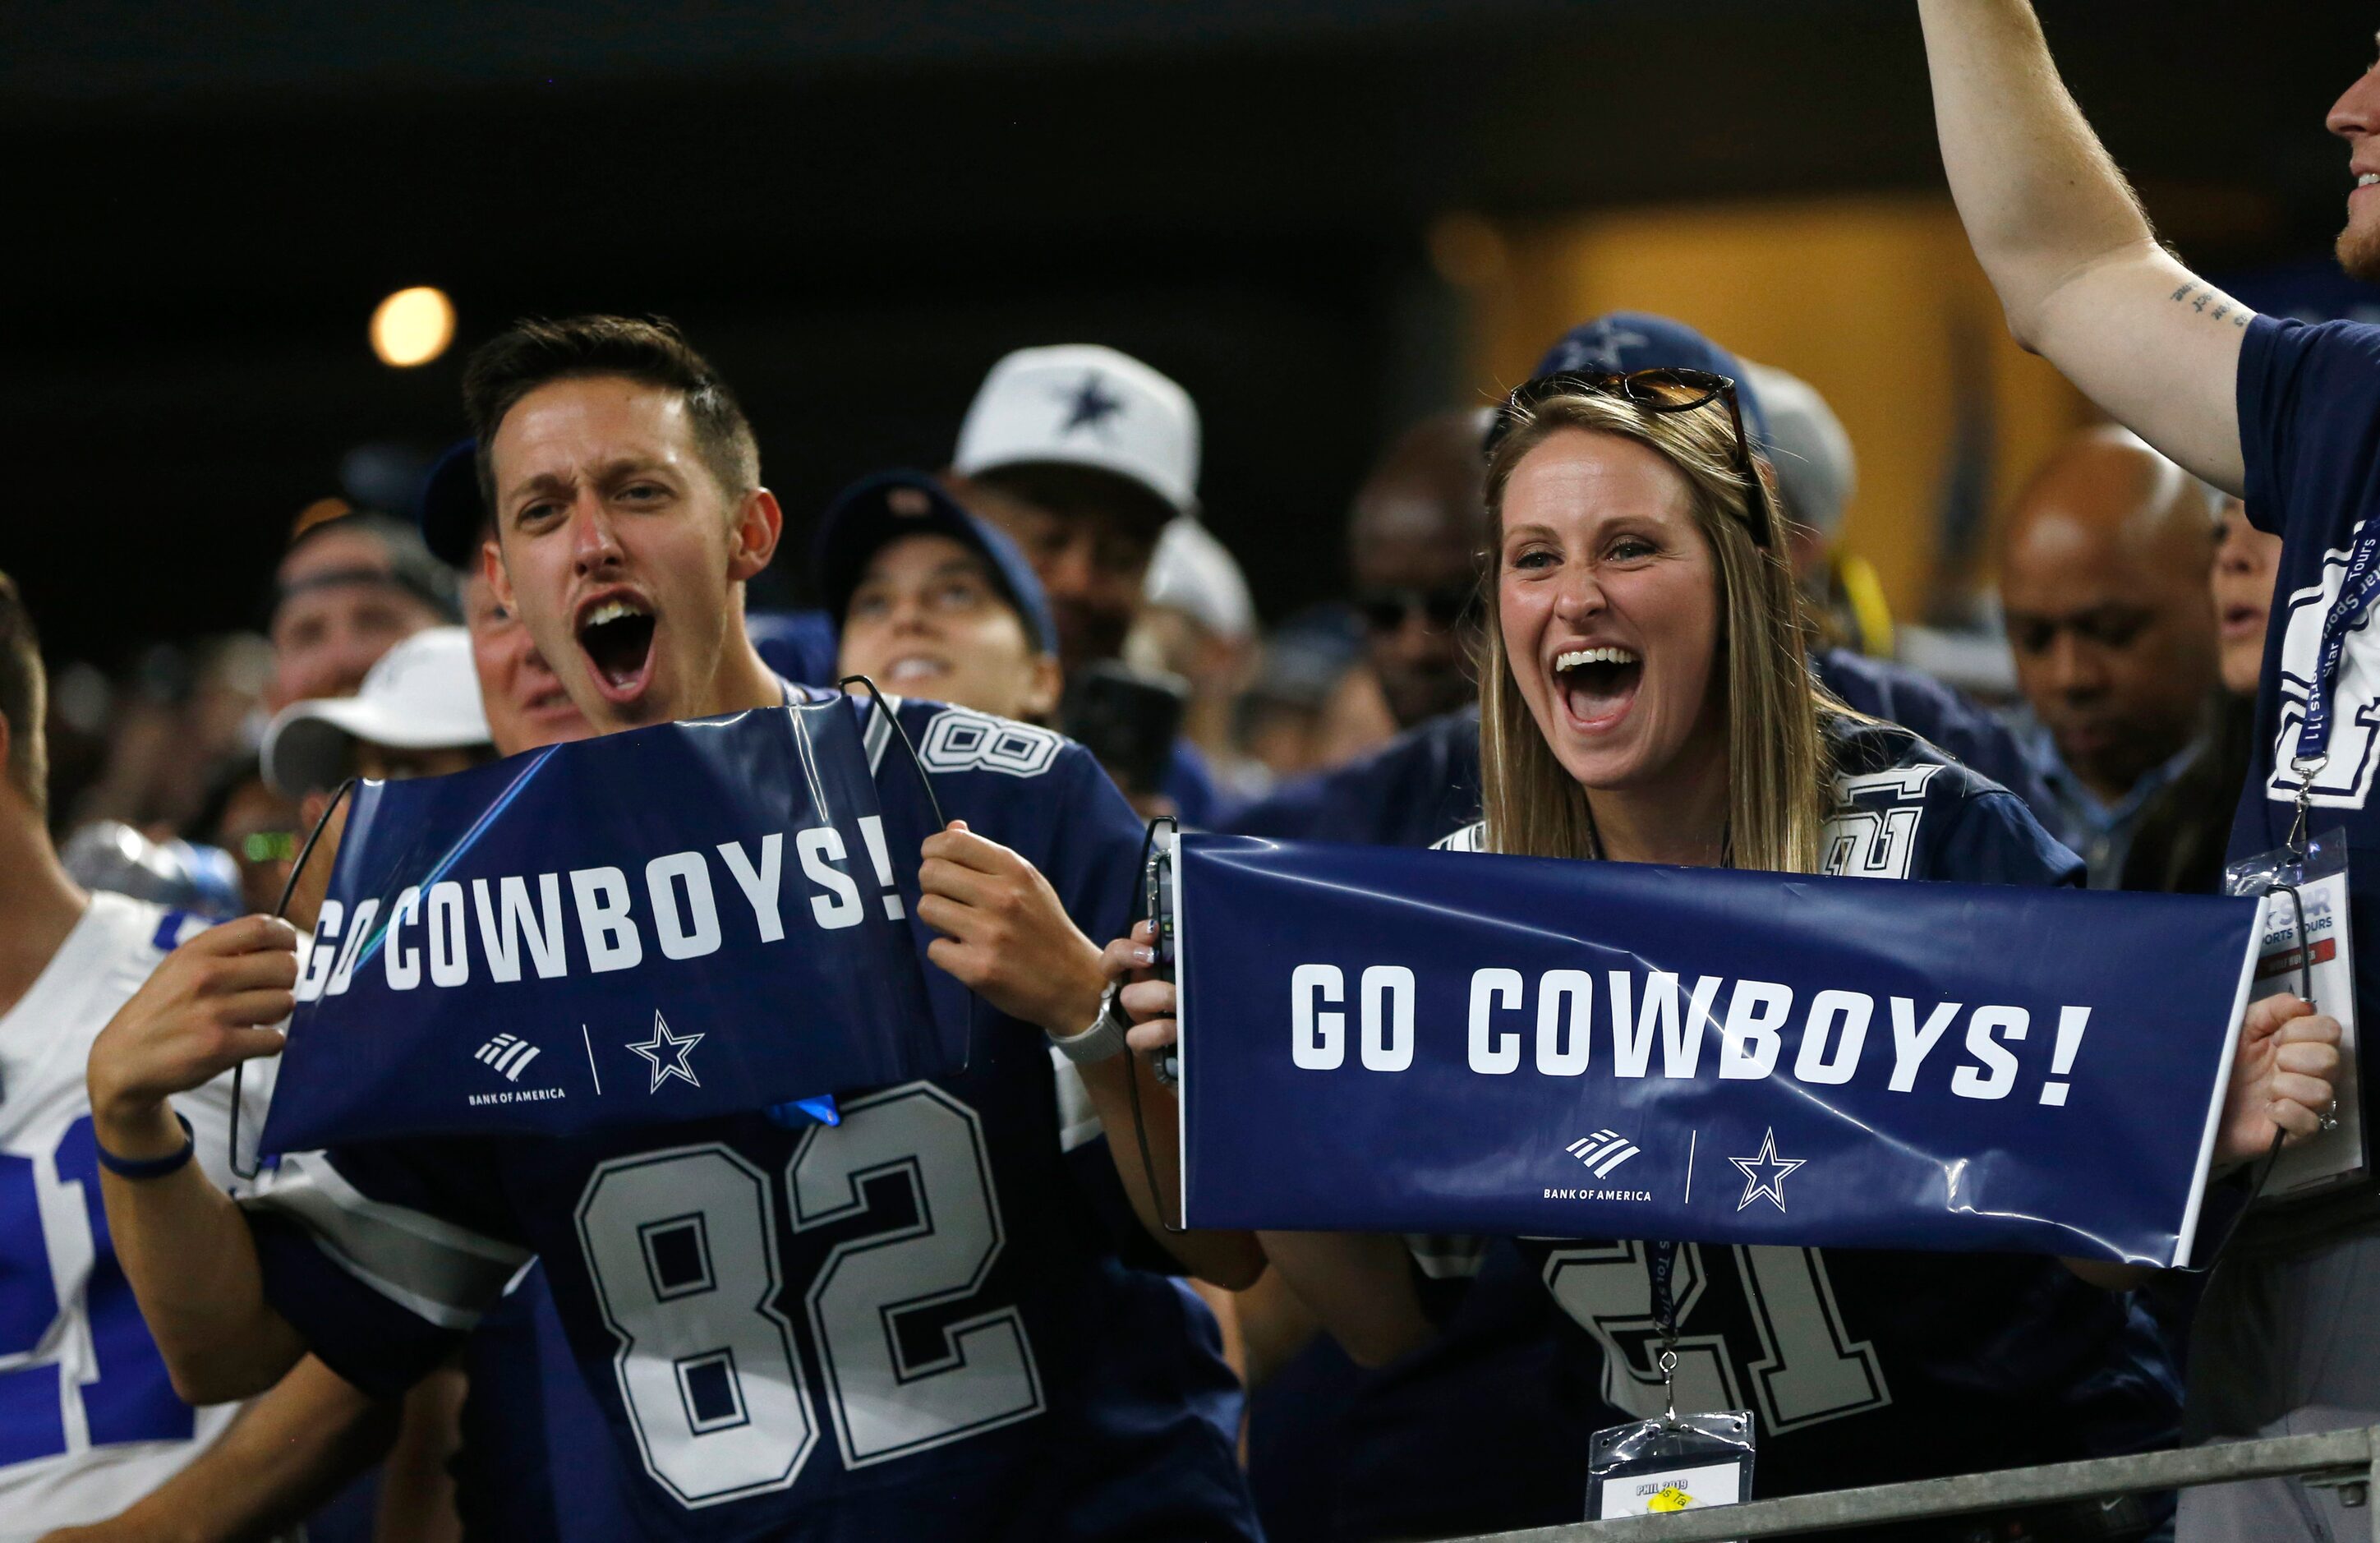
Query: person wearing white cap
{"points": [[417, 714], [1201, 624], [1083, 457]]}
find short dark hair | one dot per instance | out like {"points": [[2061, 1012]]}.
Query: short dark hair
{"points": [[649, 350], [24, 691]]}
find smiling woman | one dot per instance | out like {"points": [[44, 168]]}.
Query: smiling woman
{"points": [[1646, 695]]}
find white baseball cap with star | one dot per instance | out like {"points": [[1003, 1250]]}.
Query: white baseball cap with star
{"points": [[1078, 404]]}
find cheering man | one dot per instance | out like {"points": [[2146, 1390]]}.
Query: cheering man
{"points": [[2288, 415], [998, 1370]]}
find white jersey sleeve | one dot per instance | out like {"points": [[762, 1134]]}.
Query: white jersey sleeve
{"points": [[89, 1420]]}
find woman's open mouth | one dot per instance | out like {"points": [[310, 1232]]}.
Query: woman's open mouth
{"points": [[617, 638], [1597, 686]]}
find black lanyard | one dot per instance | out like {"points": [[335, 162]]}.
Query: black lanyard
{"points": [[1661, 1263]]}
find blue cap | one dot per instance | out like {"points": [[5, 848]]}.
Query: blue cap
{"points": [[876, 511], [1624, 341], [451, 511]]}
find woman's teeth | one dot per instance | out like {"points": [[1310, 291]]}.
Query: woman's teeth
{"points": [[1597, 684]]}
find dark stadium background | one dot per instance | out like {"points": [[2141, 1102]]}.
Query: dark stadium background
{"points": [[855, 209]]}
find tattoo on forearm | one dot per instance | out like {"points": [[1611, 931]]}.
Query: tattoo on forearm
{"points": [[2212, 303]]}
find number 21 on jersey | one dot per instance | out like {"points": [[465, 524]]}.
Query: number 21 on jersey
{"points": [[1807, 1370], [130, 1397]]}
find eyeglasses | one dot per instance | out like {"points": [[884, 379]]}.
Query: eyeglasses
{"points": [[1441, 610], [269, 847], [1652, 391]]}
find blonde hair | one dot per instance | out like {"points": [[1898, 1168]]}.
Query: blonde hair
{"points": [[1779, 771]]}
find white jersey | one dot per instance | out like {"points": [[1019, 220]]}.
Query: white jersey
{"points": [[89, 1422]]}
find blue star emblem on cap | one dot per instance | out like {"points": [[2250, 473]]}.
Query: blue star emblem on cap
{"points": [[1088, 405], [1764, 1173], [667, 1054], [1601, 348]]}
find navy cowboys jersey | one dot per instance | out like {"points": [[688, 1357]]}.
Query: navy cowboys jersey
{"points": [[1869, 1366], [920, 1323]]}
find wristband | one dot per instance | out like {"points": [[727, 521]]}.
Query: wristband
{"points": [[1102, 1041], [148, 1168]]}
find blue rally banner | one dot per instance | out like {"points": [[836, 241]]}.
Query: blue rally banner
{"points": [[690, 920], [1393, 1040]]}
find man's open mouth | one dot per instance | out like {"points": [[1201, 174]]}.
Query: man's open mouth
{"points": [[1597, 684], [617, 637]]}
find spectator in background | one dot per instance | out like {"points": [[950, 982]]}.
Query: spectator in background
{"points": [[1083, 456], [1413, 538], [1288, 719], [246, 818], [348, 589], [1200, 625], [931, 601], [2103, 579], [2180, 843], [522, 697], [1413, 548], [1816, 472], [417, 714], [182, 711]]}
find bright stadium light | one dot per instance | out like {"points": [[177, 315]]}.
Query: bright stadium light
{"points": [[413, 327]]}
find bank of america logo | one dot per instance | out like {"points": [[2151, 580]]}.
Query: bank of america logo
{"points": [[508, 1054], [1603, 1151]]}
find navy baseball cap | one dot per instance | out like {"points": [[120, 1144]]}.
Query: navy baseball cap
{"points": [[1625, 340], [452, 512], [876, 511]]}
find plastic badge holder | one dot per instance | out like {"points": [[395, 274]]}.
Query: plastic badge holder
{"points": [[2308, 954], [1652, 1467]]}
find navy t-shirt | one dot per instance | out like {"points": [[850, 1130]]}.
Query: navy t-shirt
{"points": [[2310, 435], [917, 1324]]}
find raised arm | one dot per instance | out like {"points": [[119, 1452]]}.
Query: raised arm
{"points": [[2061, 237], [182, 1241]]}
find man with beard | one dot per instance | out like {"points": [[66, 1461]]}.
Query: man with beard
{"points": [[2288, 415]]}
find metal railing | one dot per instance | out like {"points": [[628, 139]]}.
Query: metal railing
{"points": [[2349, 1460]]}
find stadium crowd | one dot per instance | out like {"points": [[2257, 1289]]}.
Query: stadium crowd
{"points": [[1647, 534]]}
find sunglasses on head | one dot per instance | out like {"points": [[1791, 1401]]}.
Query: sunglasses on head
{"points": [[1652, 391], [1443, 610]]}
